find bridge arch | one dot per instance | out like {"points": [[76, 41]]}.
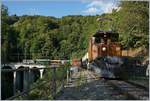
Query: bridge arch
{"points": [[34, 74], [7, 85], [20, 79]]}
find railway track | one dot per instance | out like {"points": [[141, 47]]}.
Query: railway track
{"points": [[129, 88], [133, 91], [140, 84], [92, 87]]}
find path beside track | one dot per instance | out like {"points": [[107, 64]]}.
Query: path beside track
{"points": [[84, 85]]}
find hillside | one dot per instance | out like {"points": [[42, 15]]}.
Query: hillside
{"points": [[63, 38]]}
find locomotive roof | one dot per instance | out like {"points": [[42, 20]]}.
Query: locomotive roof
{"points": [[100, 33]]}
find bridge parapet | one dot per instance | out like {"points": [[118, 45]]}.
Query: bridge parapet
{"points": [[17, 65]]}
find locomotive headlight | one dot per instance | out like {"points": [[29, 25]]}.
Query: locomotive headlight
{"points": [[104, 49]]}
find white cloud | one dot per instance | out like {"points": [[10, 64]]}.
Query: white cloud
{"points": [[100, 6], [109, 7], [95, 4], [91, 10]]}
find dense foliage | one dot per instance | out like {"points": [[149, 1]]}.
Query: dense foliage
{"points": [[67, 37]]}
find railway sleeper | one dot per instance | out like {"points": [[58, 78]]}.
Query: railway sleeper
{"points": [[131, 92]]}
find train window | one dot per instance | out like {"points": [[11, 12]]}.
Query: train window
{"points": [[97, 40]]}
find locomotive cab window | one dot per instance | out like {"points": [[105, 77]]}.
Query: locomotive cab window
{"points": [[97, 39]]}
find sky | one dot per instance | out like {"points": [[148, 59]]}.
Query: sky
{"points": [[59, 8]]}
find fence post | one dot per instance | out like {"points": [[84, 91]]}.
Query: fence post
{"points": [[67, 76], [14, 83], [63, 77]]}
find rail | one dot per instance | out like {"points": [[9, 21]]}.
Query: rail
{"points": [[56, 76]]}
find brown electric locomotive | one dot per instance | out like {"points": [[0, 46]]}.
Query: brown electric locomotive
{"points": [[105, 57], [103, 43], [104, 54]]}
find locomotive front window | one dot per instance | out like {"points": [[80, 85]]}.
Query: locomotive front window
{"points": [[97, 40]]}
